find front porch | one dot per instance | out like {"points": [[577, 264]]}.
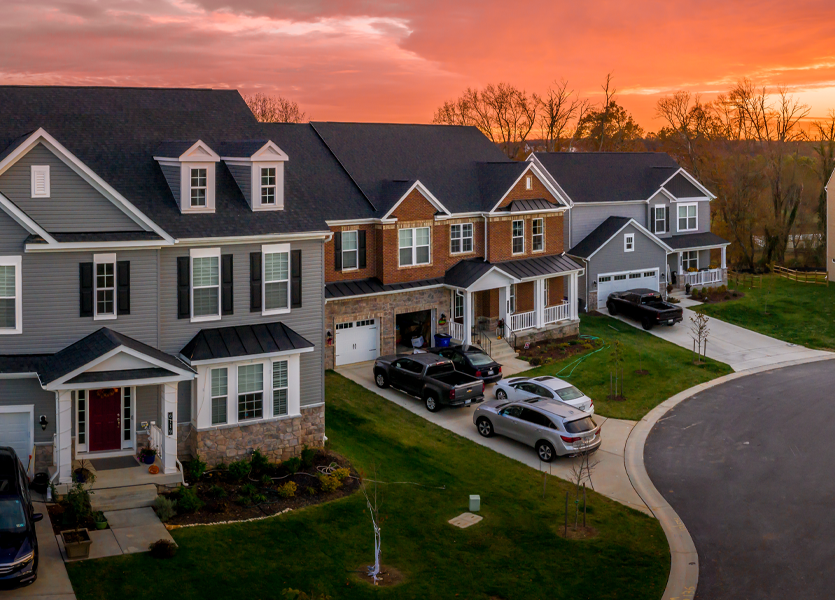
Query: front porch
{"points": [[694, 262]]}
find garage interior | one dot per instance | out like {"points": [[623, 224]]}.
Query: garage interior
{"points": [[411, 326]]}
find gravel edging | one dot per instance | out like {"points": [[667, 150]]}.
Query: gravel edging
{"points": [[173, 527]]}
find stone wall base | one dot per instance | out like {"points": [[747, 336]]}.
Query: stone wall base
{"points": [[278, 440], [43, 458], [555, 331]]}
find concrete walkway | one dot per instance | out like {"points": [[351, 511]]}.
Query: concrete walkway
{"points": [[130, 531], [53, 583], [736, 346]]}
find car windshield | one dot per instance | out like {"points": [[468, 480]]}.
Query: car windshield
{"points": [[580, 425], [12, 517], [479, 360], [569, 393]]}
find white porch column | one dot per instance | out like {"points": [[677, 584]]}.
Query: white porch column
{"points": [[64, 429], [538, 304], [168, 425], [468, 318], [504, 297], [572, 295], [724, 256], [681, 268]]}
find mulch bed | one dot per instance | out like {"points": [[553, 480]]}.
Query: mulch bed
{"points": [[716, 297], [224, 499], [548, 351], [56, 517]]}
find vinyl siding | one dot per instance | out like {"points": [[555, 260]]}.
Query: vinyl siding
{"points": [[184, 402], [73, 205], [51, 302], [29, 391], [612, 259], [12, 235], [704, 217], [307, 321], [585, 219], [147, 405]]}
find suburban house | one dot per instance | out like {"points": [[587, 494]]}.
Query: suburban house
{"points": [[161, 276], [636, 220], [452, 238]]}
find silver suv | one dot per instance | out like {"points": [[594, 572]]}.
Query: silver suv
{"points": [[552, 427]]}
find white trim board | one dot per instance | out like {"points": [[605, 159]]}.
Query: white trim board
{"points": [[640, 228], [424, 192], [539, 172]]}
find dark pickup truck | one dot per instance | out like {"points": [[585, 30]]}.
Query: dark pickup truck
{"points": [[644, 305], [430, 377]]}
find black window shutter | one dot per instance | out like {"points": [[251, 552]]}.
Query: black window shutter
{"points": [[85, 285], [227, 301], [255, 282], [337, 251], [123, 287], [652, 219], [295, 279], [183, 287], [361, 246], [667, 213]]}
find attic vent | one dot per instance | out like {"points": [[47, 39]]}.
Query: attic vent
{"points": [[40, 181]]}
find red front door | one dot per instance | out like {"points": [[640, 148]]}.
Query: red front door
{"points": [[105, 419]]}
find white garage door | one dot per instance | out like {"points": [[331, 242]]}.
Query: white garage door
{"points": [[620, 282], [356, 341], [15, 431]]}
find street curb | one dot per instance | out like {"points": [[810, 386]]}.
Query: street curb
{"points": [[684, 567]]}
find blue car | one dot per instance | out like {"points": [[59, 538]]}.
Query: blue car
{"points": [[18, 542]]}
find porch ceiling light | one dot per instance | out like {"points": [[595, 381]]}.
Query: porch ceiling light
{"points": [[43, 422]]}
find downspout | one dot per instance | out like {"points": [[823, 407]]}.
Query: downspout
{"points": [[485, 236]]}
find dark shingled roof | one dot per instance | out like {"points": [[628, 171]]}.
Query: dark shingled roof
{"points": [[239, 149], [173, 149], [443, 157], [99, 236], [466, 272], [534, 204], [23, 363], [608, 176], [589, 244], [681, 187], [124, 375], [372, 285], [495, 179], [695, 240], [243, 340]]}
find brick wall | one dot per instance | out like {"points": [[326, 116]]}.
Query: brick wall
{"points": [[524, 297], [331, 274], [500, 244], [538, 190], [556, 290]]}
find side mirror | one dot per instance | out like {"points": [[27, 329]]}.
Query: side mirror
{"points": [[37, 517]]}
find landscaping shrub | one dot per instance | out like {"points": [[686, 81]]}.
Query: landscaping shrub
{"points": [[259, 499], [588, 346], [288, 490], [341, 474], [239, 469], [259, 461], [187, 500], [196, 468], [308, 454], [221, 466], [164, 508], [535, 361], [293, 464], [163, 549], [266, 480], [243, 501], [564, 345], [329, 483], [248, 489], [217, 492], [311, 491]]}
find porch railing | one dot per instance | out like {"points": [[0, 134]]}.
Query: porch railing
{"points": [[556, 313], [456, 331], [155, 439], [703, 277], [481, 340], [521, 321]]}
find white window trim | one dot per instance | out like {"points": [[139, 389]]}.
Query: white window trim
{"points": [[528, 182], [100, 259], [461, 239], [185, 187], [414, 248], [212, 396], [256, 185], [205, 253], [534, 251], [130, 444], [273, 389], [17, 263], [239, 393], [35, 170], [629, 242], [356, 250], [513, 237], [511, 301], [678, 217], [276, 249], [663, 220], [684, 260], [458, 295], [261, 186]]}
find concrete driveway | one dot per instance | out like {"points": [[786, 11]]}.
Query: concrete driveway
{"points": [[733, 345], [609, 477]]}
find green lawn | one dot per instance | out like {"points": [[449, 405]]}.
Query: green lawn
{"points": [[800, 313], [671, 368], [514, 553]]}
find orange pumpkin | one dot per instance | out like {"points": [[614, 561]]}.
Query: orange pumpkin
{"points": [[153, 469]]}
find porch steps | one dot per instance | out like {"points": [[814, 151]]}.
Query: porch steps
{"points": [[121, 498], [500, 349]]}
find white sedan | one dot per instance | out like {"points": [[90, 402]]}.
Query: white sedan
{"points": [[523, 388]]}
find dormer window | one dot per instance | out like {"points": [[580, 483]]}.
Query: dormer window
{"points": [[258, 169], [199, 180], [189, 169], [267, 186], [40, 181]]}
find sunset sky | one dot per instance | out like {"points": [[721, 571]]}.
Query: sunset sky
{"points": [[389, 60]]}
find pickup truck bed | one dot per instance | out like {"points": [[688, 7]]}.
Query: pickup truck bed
{"points": [[646, 306]]}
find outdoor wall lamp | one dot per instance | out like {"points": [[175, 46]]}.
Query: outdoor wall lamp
{"points": [[43, 422], [329, 338], [442, 320], [594, 284]]}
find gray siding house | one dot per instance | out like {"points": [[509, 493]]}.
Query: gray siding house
{"points": [[161, 277], [637, 220]]}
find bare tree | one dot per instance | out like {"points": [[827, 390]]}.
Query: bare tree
{"points": [[274, 109], [558, 107], [823, 138], [609, 92], [691, 126], [699, 332], [373, 505]]}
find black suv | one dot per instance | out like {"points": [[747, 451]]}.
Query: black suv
{"points": [[18, 542], [472, 360]]}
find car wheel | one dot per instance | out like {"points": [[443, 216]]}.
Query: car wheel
{"points": [[545, 451], [612, 308], [485, 427], [432, 404], [381, 380], [646, 324], [501, 395]]}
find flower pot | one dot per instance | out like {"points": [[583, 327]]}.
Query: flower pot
{"points": [[148, 459], [79, 543], [101, 524]]}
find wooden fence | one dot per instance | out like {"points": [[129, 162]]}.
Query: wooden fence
{"points": [[801, 276], [745, 279]]}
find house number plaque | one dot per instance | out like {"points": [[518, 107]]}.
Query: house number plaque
{"points": [[171, 423]]}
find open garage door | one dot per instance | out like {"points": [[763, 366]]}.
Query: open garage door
{"points": [[608, 283]]}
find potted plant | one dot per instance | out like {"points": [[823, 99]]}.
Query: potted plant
{"points": [[77, 511], [687, 288], [147, 455], [100, 520]]}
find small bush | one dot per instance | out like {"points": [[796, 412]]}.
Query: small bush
{"points": [[187, 500], [243, 501], [248, 489], [164, 508], [311, 491], [239, 469], [735, 294], [293, 465], [196, 468], [288, 490], [259, 461], [221, 466], [308, 454], [341, 474], [535, 361], [564, 345], [163, 549], [266, 480], [329, 484], [588, 346], [259, 499], [217, 492]]}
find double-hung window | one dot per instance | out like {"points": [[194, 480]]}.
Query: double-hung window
{"points": [[458, 308], [688, 219], [205, 284], [280, 385], [660, 219], [276, 278], [538, 232], [81, 425], [350, 250], [105, 282], [220, 392], [629, 242], [199, 181], [127, 397], [518, 241], [690, 260], [268, 186], [10, 295], [512, 301], [414, 246], [461, 238], [250, 392]]}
